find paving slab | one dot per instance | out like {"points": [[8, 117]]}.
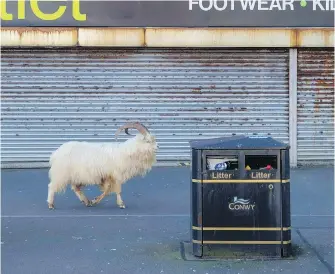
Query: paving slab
{"points": [[145, 237], [321, 241]]}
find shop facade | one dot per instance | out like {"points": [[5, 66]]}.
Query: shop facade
{"points": [[73, 83]]}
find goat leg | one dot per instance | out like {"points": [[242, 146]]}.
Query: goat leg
{"points": [[119, 200], [81, 196], [105, 187], [98, 199], [51, 196]]}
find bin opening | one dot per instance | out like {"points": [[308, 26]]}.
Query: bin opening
{"points": [[261, 162], [222, 163]]}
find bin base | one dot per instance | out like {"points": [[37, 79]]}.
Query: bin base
{"points": [[219, 253]]}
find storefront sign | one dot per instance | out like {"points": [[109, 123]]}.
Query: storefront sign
{"points": [[173, 13]]}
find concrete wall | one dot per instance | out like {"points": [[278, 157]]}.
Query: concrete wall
{"points": [[166, 37]]}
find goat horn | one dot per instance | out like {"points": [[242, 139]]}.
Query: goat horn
{"points": [[126, 131], [141, 128]]}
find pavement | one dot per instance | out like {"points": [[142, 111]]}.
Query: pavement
{"points": [[145, 237]]}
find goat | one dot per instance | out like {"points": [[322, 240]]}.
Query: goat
{"points": [[107, 165]]}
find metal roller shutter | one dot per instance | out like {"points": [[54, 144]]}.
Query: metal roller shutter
{"points": [[50, 96], [315, 106]]}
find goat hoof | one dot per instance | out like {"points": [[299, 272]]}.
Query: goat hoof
{"points": [[51, 206], [89, 203], [122, 206], [94, 202]]}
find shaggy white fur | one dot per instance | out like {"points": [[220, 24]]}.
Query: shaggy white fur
{"points": [[108, 165]]}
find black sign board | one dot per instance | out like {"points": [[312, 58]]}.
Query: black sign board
{"points": [[180, 13]]}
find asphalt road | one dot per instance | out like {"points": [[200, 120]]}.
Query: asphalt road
{"points": [[145, 237]]}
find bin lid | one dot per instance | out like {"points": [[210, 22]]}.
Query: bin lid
{"points": [[239, 142]]}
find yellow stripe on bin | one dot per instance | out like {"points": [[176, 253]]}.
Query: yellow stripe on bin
{"points": [[239, 181], [241, 228], [242, 242]]}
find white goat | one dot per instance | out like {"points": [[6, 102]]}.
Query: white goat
{"points": [[107, 165]]}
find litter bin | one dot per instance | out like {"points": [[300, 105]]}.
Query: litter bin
{"points": [[240, 201]]}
